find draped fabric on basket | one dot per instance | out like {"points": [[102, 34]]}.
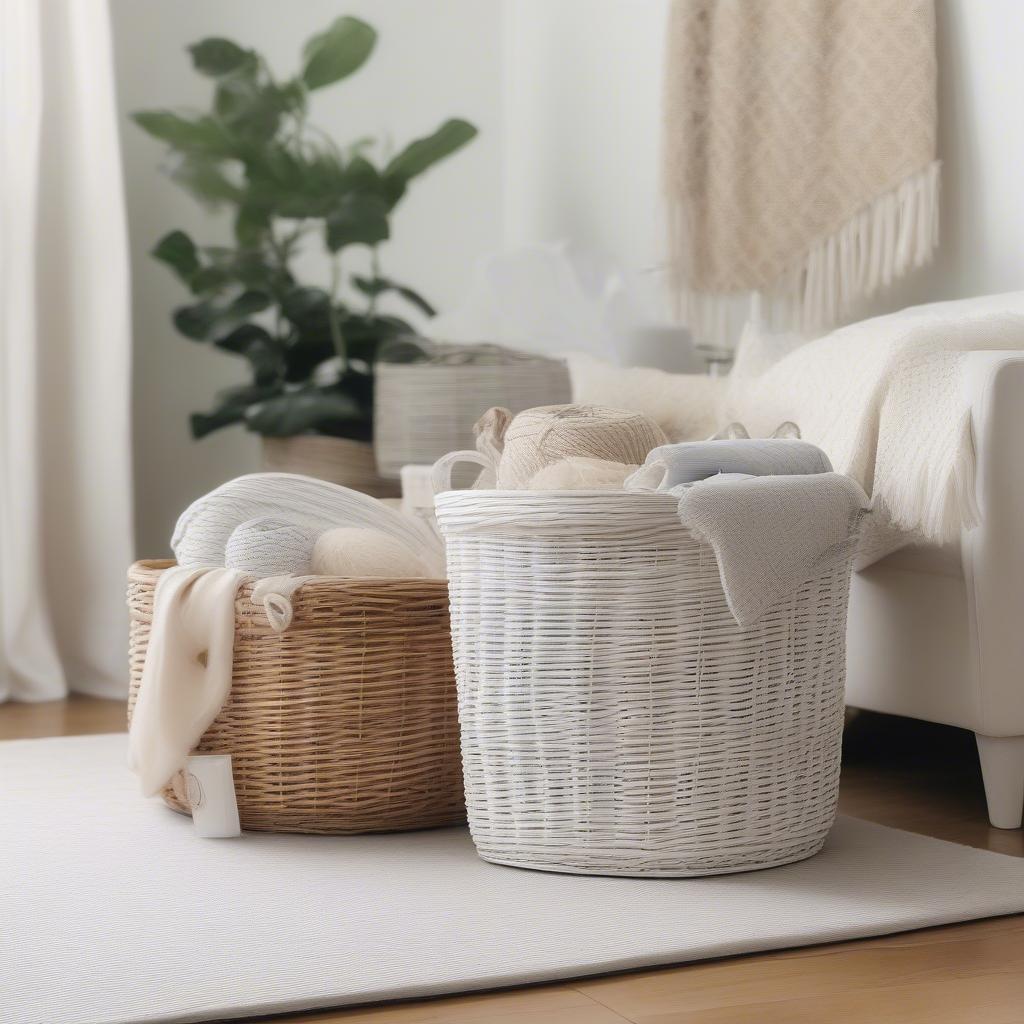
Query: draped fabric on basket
{"points": [[799, 155], [65, 470]]}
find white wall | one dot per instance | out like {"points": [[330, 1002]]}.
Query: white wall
{"points": [[582, 120], [981, 143], [434, 60], [583, 84]]}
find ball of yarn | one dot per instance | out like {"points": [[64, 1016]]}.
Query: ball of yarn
{"points": [[268, 546], [539, 437], [579, 474], [352, 551]]}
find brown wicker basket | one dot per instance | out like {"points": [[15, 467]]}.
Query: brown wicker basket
{"points": [[344, 723]]}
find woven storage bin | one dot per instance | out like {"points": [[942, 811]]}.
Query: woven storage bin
{"points": [[335, 459], [346, 722], [425, 410], [615, 718]]}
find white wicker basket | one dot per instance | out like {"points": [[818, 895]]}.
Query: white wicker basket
{"points": [[615, 718], [424, 410]]}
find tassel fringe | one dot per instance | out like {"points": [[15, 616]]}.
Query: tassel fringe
{"points": [[894, 234]]}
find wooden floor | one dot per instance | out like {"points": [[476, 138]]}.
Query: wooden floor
{"points": [[909, 775]]}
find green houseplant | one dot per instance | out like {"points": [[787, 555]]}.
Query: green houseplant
{"points": [[310, 349]]}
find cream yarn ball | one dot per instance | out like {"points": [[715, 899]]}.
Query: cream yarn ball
{"points": [[580, 474], [267, 546], [539, 437], [353, 551]]}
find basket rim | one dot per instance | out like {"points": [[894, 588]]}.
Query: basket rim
{"points": [[608, 515], [656, 500], [569, 503], [148, 570]]}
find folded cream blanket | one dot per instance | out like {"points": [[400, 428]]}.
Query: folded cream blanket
{"points": [[187, 674], [770, 534], [674, 464]]}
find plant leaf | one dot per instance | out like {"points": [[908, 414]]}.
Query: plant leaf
{"points": [[209, 280], [307, 351], [178, 251], [230, 408], [374, 286], [196, 321], [296, 412], [300, 305], [423, 153], [311, 342], [253, 300], [298, 185], [216, 57], [263, 351], [358, 219], [203, 177], [364, 335], [201, 319], [199, 135], [360, 175], [251, 223], [251, 268], [250, 108], [203, 423], [292, 96], [337, 52]]}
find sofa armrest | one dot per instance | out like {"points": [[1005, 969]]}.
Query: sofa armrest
{"points": [[993, 553]]}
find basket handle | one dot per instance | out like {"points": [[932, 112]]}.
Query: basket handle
{"points": [[441, 474]]}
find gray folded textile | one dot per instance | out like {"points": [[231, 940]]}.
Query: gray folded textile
{"points": [[673, 464], [770, 534]]}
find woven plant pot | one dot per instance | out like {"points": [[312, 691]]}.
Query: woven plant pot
{"points": [[425, 410], [344, 723], [336, 459], [615, 718]]}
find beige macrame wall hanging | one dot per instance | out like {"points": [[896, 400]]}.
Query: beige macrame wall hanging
{"points": [[799, 152]]}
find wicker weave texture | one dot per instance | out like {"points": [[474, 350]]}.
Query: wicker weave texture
{"points": [[335, 459], [347, 721], [615, 718], [425, 410]]}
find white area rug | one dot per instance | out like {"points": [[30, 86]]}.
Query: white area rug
{"points": [[112, 910]]}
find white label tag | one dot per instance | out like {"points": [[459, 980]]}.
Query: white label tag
{"points": [[211, 794]]}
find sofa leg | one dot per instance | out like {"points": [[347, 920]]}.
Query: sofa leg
{"points": [[1002, 768]]}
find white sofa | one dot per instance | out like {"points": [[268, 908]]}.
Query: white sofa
{"points": [[935, 633], [938, 633]]}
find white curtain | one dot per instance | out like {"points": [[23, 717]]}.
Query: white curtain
{"points": [[65, 357]]}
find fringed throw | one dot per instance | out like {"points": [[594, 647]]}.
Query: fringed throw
{"points": [[799, 156]]}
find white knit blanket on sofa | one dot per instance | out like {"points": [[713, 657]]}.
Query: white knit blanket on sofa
{"points": [[883, 399]]}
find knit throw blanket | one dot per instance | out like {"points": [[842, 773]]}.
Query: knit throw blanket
{"points": [[883, 399], [799, 155]]}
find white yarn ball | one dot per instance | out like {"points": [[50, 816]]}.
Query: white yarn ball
{"points": [[579, 474], [352, 551], [538, 437], [267, 546]]}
